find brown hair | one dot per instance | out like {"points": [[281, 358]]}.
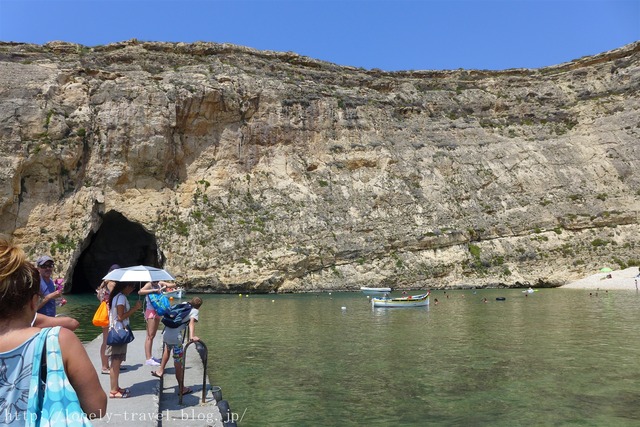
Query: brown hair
{"points": [[196, 302], [118, 288], [19, 279]]}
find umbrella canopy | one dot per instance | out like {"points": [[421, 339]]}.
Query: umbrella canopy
{"points": [[138, 273], [606, 269]]}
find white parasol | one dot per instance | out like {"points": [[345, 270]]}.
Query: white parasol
{"points": [[138, 273]]}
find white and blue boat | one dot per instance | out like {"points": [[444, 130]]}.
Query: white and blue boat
{"points": [[375, 291], [176, 293], [410, 301]]}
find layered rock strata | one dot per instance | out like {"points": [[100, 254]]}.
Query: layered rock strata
{"points": [[257, 171]]}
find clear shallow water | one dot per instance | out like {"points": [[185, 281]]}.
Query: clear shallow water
{"points": [[557, 357]]}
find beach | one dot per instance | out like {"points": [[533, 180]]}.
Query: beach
{"points": [[619, 280]]}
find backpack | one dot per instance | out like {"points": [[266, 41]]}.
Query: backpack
{"points": [[160, 303], [177, 315]]}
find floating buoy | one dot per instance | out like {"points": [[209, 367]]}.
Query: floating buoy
{"points": [[273, 300], [239, 295], [170, 298], [500, 298], [344, 308]]}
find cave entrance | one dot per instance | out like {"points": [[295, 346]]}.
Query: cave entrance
{"points": [[117, 241]]}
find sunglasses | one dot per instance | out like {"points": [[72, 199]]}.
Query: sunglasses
{"points": [[47, 266]]}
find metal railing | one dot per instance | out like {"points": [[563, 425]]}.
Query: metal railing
{"points": [[202, 350]]}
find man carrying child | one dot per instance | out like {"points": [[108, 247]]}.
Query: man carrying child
{"points": [[173, 339]]}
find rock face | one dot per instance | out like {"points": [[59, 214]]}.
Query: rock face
{"points": [[249, 171]]}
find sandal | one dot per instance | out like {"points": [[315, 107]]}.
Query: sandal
{"points": [[157, 375], [106, 371], [186, 390], [120, 394], [124, 390]]}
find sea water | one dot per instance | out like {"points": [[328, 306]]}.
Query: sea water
{"points": [[554, 357]]}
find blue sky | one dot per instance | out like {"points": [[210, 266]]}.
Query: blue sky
{"points": [[390, 35]]}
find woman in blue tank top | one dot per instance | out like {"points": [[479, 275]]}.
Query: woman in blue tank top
{"points": [[19, 297]]}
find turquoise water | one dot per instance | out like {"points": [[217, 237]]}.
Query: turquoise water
{"points": [[557, 357]]}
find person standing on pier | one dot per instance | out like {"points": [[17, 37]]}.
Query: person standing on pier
{"points": [[48, 291], [152, 318], [21, 346], [102, 293], [119, 313], [173, 339]]}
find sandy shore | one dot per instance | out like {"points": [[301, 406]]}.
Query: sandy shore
{"points": [[620, 280]]}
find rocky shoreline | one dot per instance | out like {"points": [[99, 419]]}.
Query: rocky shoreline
{"points": [[626, 279]]}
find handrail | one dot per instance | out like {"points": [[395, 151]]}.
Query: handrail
{"points": [[202, 350]]}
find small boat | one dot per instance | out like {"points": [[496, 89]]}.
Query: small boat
{"points": [[176, 293], [410, 301], [375, 291]]}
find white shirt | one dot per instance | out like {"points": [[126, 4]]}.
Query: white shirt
{"points": [[120, 299], [173, 336]]}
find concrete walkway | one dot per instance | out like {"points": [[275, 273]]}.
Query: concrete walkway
{"points": [[153, 401]]}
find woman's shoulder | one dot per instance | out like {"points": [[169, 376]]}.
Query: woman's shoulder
{"points": [[71, 347], [65, 335], [19, 343]]}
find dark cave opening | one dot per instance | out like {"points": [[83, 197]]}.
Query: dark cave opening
{"points": [[117, 241]]}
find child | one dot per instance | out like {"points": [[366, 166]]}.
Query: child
{"points": [[172, 338]]}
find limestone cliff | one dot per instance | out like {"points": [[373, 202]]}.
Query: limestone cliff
{"points": [[243, 170]]}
